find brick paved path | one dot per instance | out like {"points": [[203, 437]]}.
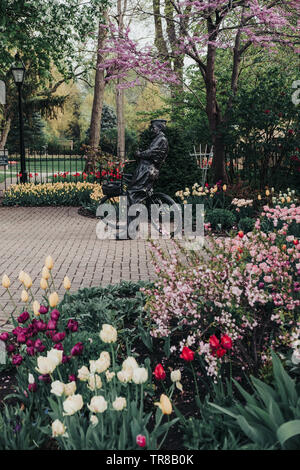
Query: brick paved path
{"points": [[28, 235]]}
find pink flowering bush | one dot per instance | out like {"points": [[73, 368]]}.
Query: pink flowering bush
{"points": [[285, 218], [244, 286]]}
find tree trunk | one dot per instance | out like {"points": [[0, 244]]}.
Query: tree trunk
{"points": [[95, 128], [5, 132], [215, 118], [121, 123]]}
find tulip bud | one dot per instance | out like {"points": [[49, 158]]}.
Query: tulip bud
{"points": [[259, 197], [53, 299], [21, 276], [224, 187], [5, 281], [36, 308], [24, 296], [27, 281], [267, 192], [45, 273], [67, 283], [49, 263], [164, 404], [43, 284]]}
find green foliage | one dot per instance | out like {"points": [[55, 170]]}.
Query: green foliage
{"points": [[270, 418], [220, 219], [119, 305], [34, 136], [246, 224], [19, 430]]}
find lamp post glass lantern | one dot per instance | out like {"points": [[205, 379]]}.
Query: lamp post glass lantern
{"points": [[18, 73]]}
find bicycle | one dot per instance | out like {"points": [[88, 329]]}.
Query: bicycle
{"points": [[161, 204]]}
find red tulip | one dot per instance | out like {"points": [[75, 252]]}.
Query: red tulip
{"points": [[214, 342], [159, 372], [221, 352], [187, 354], [141, 440], [226, 342]]}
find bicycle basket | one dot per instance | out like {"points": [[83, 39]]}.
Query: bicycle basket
{"points": [[112, 188]]}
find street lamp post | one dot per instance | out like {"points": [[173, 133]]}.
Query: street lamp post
{"points": [[18, 72]]}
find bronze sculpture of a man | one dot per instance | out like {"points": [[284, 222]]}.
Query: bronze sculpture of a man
{"points": [[149, 163]]}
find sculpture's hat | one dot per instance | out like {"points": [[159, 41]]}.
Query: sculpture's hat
{"points": [[160, 122]]}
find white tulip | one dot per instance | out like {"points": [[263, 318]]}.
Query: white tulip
{"points": [[57, 388], [72, 404], [98, 404]]}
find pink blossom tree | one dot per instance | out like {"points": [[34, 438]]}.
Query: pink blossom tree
{"points": [[200, 28]]}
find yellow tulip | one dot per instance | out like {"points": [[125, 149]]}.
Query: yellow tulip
{"points": [[5, 281], [67, 283], [27, 281], [45, 273], [267, 192], [224, 187], [53, 299], [164, 404], [24, 296], [43, 284], [35, 307], [21, 276], [259, 197], [49, 262]]}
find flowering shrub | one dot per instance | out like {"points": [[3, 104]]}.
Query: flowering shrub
{"points": [[49, 194], [244, 286], [286, 219], [210, 196]]}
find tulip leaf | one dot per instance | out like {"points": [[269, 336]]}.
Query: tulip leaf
{"points": [[288, 430]]}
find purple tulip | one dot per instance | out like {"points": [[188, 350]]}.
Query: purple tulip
{"points": [[17, 330], [261, 285], [4, 336], [58, 337], [43, 310], [72, 378], [32, 387], [59, 347], [55, 315], [51, 325], [41, 326], [30, 351], [72, 325], [39, 346], [29, 343], [23, 317], [45, 378], [77, 349], [65, 359], [21, 338], [10, 348], [17, 359]]}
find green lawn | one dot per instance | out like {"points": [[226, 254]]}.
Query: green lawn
{"points": [[57, 165]]}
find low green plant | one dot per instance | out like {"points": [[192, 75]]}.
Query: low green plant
{"points": [[246, 224], [270, 417], [19, 429], [220, 219]]}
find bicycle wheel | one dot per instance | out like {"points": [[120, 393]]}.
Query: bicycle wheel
{"points": [[110, 218], [165, 214]]}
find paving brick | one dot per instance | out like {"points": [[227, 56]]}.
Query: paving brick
{"points": [[28, 235]]}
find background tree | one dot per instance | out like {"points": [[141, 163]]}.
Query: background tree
{"points": [[210, 26]]}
